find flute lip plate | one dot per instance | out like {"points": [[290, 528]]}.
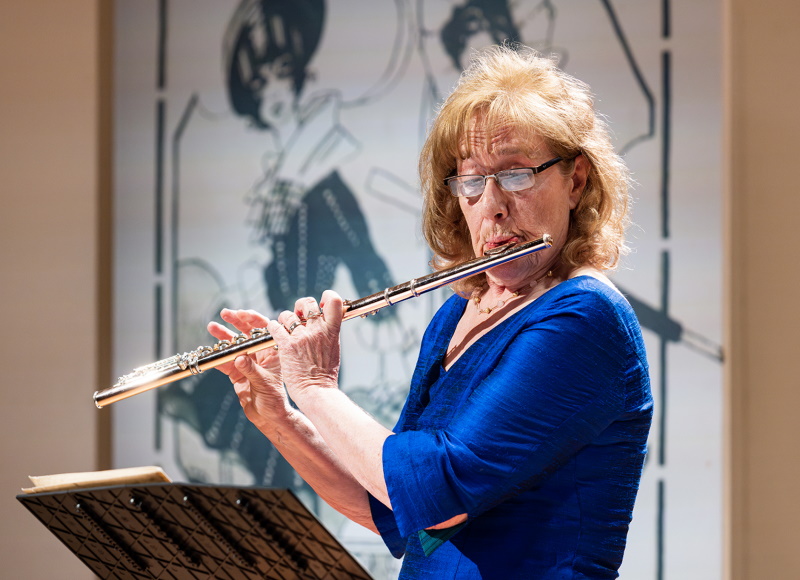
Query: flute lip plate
{"points": [[499, 249], [547, 239]]}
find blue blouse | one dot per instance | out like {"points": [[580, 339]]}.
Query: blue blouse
{"points": [[538, 432]]}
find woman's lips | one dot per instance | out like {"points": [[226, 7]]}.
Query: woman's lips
{"points": [[500, 241]]}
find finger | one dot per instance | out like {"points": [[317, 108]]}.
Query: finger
{"points": [[290, 321], [305, 305], [308, 309], [245, 366], [254, 372], [234, 318], [233, 373], [278, 331], [244, 320], [253, 320], [253, 317], [241, 387], [331, 304], [284, 316], [230, 371], [244, 380], [220, 332]]}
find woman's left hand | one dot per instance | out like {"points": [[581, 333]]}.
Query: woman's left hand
{"points": [[308, 343]]}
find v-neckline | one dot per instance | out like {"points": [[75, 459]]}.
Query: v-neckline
{"points": [[457, 314], [453, 325]]}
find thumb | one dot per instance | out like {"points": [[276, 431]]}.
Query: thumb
{"points": [[332, 307], [244, 365], [254, 372]]}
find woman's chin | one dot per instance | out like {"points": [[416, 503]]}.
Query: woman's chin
{"points": [[511, 273]]}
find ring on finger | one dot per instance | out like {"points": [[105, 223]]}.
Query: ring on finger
{"points": [[313, 314], [293, 325]]}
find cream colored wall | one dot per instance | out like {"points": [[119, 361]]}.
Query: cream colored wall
{"points": [[763, 72], [51, 172]]}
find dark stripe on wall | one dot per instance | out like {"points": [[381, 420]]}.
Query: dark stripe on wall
{"points": [[666, 94], [161, 72], [660, 532], [158, 301], [161, 82], [666, 84], [159, 187], [662, 363], [175, 208]]}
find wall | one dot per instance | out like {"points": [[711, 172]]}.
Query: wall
{"points": [[52, 172], [763, 278]]}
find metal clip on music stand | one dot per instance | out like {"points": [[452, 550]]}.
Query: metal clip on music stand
{"points": [[177, 531]]}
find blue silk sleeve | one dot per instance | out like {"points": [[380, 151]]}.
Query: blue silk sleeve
{"points": [[552, 390], [384, 520]]}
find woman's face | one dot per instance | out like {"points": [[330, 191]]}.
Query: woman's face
{"points": [[277, 96], [497, 217]]}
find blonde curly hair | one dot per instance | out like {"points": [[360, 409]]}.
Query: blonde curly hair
{"points": [[514, 85]]}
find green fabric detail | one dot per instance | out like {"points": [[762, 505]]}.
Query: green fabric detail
{"points": [[432, 539]]}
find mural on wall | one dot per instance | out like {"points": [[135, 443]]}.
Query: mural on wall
{"points": [[301, 215], [266, 150]]}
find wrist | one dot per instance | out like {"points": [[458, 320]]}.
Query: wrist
{"points": [[275, 422], [312, 384], [316, 397]]}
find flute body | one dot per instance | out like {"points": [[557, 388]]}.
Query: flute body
{"points": [[203, 358]]}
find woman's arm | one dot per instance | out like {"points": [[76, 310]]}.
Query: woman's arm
{"points": [[541, 395], [309, 358], [257, 381], [333, 444]]}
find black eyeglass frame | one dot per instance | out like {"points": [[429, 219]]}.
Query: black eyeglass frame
{"points": [[535, 170]]}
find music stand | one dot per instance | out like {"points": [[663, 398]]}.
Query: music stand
{"points": [[177, 531]]}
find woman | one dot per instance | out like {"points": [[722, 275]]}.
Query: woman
{"points": [[519, 450]]}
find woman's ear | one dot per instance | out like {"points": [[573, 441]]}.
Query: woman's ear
{"points": [[580, 174]]}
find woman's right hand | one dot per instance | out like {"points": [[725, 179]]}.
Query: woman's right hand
{"points": [[256, 377]]}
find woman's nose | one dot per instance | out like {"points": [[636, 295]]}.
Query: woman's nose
{"points": [[494, 199]]}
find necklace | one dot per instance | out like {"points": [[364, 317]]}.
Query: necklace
{"points": [[476, 298]]}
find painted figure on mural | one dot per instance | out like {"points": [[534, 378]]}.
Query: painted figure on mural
{"points": [[302, 209], [451, 31], [301, 213]]}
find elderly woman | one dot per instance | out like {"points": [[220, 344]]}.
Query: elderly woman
{"points": [[519, 450]]}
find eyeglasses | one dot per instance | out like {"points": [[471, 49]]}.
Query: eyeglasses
{"points": [[509, 179]]}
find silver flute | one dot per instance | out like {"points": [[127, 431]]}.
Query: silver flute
{"points": [[203, 358]]}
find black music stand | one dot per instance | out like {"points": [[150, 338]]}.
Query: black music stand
{"points": [[177, 531]]}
